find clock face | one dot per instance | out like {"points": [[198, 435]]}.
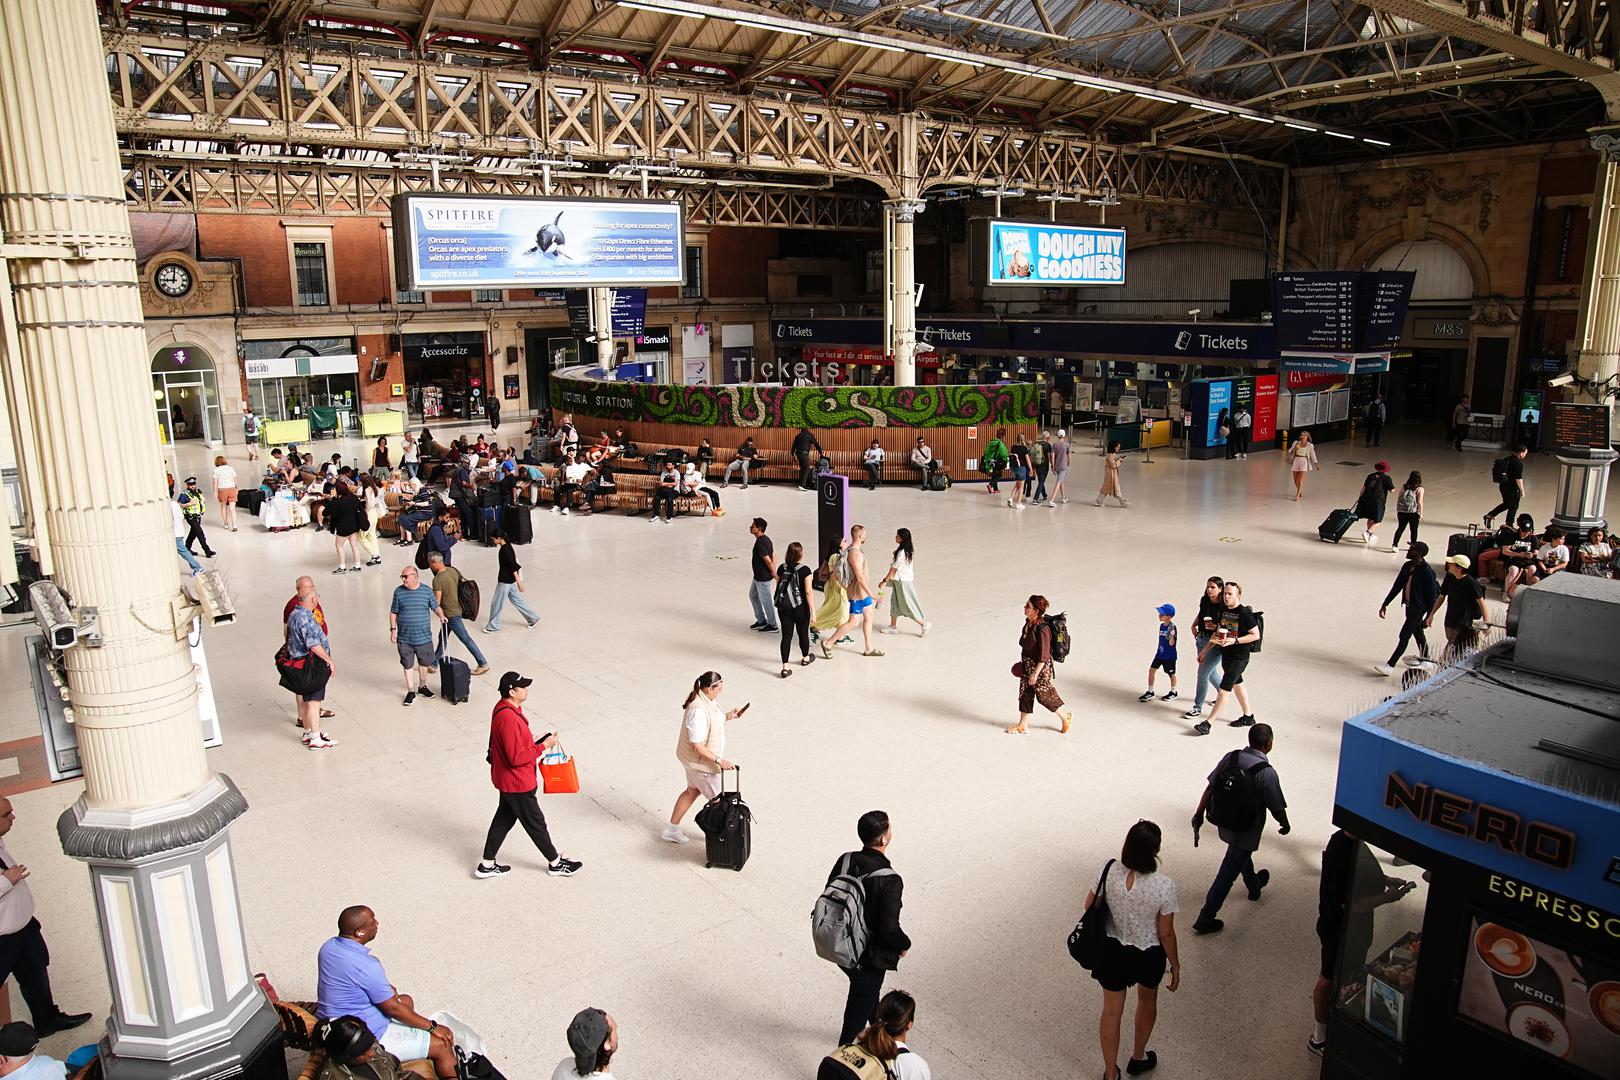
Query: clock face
{"points": [[172, 279]]}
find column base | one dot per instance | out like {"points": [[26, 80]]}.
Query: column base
{"points": [[254, 1052], [1583, 483]]}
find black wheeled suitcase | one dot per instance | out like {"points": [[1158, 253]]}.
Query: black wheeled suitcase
{"points": [[455, 677], [727, 826], [518, 524], [248, 501], [1336, 525], [1470, 542], [489, 519]]}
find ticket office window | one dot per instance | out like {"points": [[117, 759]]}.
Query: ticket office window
{"points": [[1380, 937]]}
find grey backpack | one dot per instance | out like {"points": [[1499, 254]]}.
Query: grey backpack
{"points": [[838, 921]]}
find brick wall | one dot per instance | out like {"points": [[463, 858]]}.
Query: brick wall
{"points": [[261, 244], [360, 262], [736, 258], [377, 395]]}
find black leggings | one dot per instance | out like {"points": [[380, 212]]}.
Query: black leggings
{"points": [[792, 619], [1405, 519]]}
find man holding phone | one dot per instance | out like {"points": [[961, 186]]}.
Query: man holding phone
{"points": [[514, 754]]}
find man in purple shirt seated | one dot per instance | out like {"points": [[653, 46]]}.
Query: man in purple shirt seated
{"points": [[351, 982]]}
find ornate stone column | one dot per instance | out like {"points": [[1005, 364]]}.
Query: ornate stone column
{"points": [[1599, 334], [152, 823], [899, 257]]}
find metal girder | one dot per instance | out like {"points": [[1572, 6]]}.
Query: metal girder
{"points": [[233, 92], [1532, 30], [226, 185]]}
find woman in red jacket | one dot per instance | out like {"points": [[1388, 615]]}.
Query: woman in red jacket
{"points": [[514, 753]]}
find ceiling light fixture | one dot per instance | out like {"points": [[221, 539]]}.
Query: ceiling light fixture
{"points": [[1375, 142], [1038, 75], [662, 10], [871, 44], [1211, 109], [1151, 96], [954, 59], [1298, 127], [1255, 118], [1337, 134], [772, 28]]}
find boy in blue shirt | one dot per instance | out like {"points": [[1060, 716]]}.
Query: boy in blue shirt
{"points": [[1165, 657]]}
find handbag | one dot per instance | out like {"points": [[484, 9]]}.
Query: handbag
{"points": [[558, 776], [1089, 935], [303, 676], [1018, 670]]}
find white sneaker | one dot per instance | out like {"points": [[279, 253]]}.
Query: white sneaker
{"points": [[318, 740], [924, 631], [1415, 661], [1372, 538], [888, 630], [1009, 502], [1019, 506], [1383, 669], [674, 835]]}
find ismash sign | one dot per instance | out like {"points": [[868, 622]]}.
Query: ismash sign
{"points": [[1043, 253]]}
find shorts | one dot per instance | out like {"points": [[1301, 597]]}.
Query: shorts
{"points": [[1167, 663], [227, 496], [411, 655], [406, 1043], [1020, 473], [1360, 944], [858, 606], [1232, 668], [1123, 966], [707, 783]]}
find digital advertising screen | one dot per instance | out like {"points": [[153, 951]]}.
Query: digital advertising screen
{"points": [[1044, 253], [489, 242]]}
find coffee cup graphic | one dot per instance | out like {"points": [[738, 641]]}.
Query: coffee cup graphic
{"points": [[1604, 998], [1536, 1024], [1504, 951]]}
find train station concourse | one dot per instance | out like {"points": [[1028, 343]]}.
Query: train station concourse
{"points": [[1127, 490]]}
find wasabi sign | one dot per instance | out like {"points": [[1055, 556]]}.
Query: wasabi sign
{"points": [[483, 241], [1041, 253]]}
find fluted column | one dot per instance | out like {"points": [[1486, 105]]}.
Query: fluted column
{"points": [[1599, 335], [153, 821]]}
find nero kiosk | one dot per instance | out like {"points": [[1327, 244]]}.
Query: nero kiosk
{"points": [[1489, 945]]}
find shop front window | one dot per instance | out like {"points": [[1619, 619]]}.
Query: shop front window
{"points": [[1380, 935]]}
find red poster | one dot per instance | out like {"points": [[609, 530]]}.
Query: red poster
{"points": [[1310, 380], [1265, 408]]}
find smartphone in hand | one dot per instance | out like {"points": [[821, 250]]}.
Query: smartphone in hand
{"points": [[745, 708]]}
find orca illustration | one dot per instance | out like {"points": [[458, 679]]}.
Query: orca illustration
{"points": [[550, 239]]}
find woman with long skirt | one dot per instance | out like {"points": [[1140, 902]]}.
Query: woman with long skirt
{"points": [[903, 603]]}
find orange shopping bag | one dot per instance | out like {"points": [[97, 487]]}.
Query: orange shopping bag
{"points": [[557, 773]]}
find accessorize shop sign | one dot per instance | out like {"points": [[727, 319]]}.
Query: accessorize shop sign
{"points": [[487, 241], [1042, 253]]}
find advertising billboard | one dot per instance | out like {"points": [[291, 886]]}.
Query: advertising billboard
{"points": [[1043, 253], [490, 242]]}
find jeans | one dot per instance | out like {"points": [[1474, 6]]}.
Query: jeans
{"points": [[1041, 472], [741, 463], [874, 474], [25, 955], [1411, 628], [804, 468], [185, 553], [412, 468], [664, 497], [1407, 520], [1235, 862], [519, 808], [458, 627], [1209, 671], [761, 593], [1510, 501], [505, 591], [1375, 432], [860, 1007], [411, 519]]}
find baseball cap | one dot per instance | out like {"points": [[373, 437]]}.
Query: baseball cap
{"points": [[1166, 609], [17, 1039], [1063, 433], [511, 679], [586, 1034], [1459, 560]]}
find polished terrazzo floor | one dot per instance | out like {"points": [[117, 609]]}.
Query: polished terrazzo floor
{"points": [[711, 973]]}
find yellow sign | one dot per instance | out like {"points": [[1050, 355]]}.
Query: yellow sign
{"points": [[398, 389]]}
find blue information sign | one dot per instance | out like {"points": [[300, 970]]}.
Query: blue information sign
{"points": [[1220, 397], [1039, 253], [476, 241]]}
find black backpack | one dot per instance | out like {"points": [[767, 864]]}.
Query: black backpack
{"points": [[1061, 642], [467, 596], [789, 594], [1259, 628], [1499, 470], [422, 554], [1234, 796]]}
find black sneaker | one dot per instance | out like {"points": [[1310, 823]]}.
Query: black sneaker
{"points": [[1171, 696], [1193, 713], [756, 626], [1213, 926], [1246, 720], [1263, 878], [564, 867], [1146, 695], [423, 691], [1137, 1066], [490, 869], [1201, 728], [1317, 1048], [410, 696]]}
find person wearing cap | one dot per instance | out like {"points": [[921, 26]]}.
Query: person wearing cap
{"points": [[922, 456], [192, 508], [18, 1059], [1040, 456], [514, 754], [1417, 587], [1060, 469], [350, 982], [352, 1053], [593, 1038], [1165, 655], [180, 528], [22, 944], [1464, 600], [1371, 502]]}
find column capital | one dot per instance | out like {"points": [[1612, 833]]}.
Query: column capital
{"points": [[905, 209], [1607, 143]]}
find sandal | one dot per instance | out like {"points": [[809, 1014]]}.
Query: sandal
{"points": [[874, 652], [327, 714], [1018, 729], [808, 660], [826, 650], [1066, 718], [786, 671]]}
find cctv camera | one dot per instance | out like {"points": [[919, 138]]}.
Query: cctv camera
{"points": [[1561, 380], [215, 601], [54, 615], [1196, 311]]}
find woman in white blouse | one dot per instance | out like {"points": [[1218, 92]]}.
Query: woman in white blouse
{"points": [[902, 576], [1141, 942], [700, 748], [225, 492]]}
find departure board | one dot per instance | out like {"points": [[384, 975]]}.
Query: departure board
{"points": [[1579, 427], [1315, 310]]}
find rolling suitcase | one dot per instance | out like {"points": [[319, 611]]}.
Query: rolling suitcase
{"points": [[727, 826], [1336, 525], [517, 522], [455, 677], [489, 519], [248, 501], [1470, 542]]}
